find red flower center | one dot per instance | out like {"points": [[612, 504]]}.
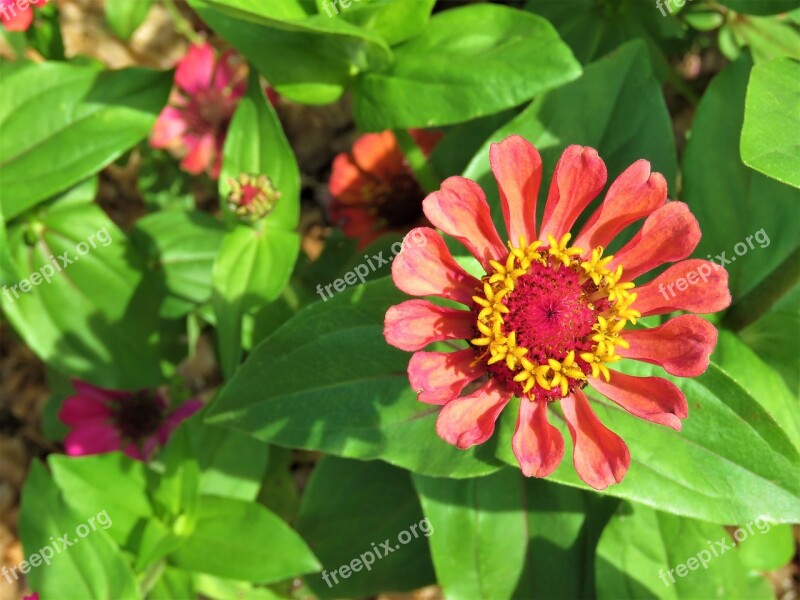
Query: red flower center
{"points": [[209, 110], [140, 416]]}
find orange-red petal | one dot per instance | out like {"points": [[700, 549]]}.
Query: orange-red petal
{"points": [[669, 234], [538, 446], [470, 420], [413, 324], [425, 267], [681, 346], [439, 377], [600, 456], [693, 285], [634, 194], [651, 398], [579, 176], [517, 167], [459, 209]]}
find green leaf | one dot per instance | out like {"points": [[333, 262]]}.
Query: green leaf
{"points": [[504, 535], [90, 307], [628, 121], [256, 260], [760, 7], [111, 482], [763, 382], [644, 553], [771, 133], [355, 400], [97, 115], [741, 212], [182, 246], [767, 37], [469, 62], [770, 550], [248, 543], [731, 463], [345, 529], [394, 20], [90, 567], [125, 16], [173, 584], [319, 55]]}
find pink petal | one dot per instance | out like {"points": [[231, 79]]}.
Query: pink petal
{"points": [[92, 439], [15, 19], [681, 346], [693, 285], [634, 194], [425, 267], [231, 73], [470, 420], [579, 176], [97, 393], [168, 128], [537, 445], [78, 410], [669, 234], [600, 455], [196, 69], [201, 154], [459, 209], [652, 398], [517, 167], [347, 181], [439, 377], [414, 324], [143, 454]]}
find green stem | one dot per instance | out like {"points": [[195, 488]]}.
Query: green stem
{"points": [[766, 294], [151, 576], [417, 161]]}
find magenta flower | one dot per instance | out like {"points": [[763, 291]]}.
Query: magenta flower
{"points": [[194, 124], [16, 18], [107, 420]]}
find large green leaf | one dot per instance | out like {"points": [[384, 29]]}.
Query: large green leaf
{"points": [[62, 123], [241, 540], [731, 462], [469, 62], [504, 535], [742, 214], [761, 7], [318, 54], [111, 482], [90, 314], [771, 132], [628, 120], [645, 553], [354, 401], [91, 567], [183, 246], [343, 528], [394, 20]]}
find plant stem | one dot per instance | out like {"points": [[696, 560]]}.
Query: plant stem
{"points": [[417, 161], [182, 25]]}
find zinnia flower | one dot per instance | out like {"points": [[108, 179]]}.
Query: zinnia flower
{"points": [[548, 318], [107, 420], [15, 18], [373, 189], [194, 124]]}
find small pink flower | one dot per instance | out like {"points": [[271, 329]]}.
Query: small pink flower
{"points": [[194, 124], [107, 420], [34, 596], [15, 18]]}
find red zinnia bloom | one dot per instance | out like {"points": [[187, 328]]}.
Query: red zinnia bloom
{"points": [[194, 124], [547, 319], [107, 420], [373, 189], [16, 19]]}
